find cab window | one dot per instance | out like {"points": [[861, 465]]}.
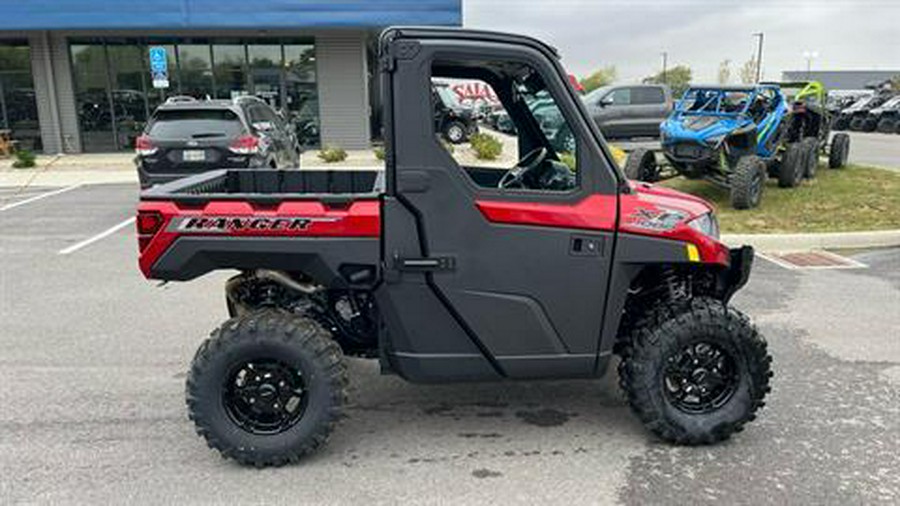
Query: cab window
{"points": [[503, 127]]}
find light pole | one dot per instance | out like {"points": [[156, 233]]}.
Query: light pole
{"points": [[759, 50], [665, 58], [810, 56]]}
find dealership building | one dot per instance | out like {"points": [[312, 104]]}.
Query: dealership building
{"points": [[76, 75]]}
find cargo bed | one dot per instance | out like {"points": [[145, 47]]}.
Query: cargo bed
{"points": [[270, 186]]}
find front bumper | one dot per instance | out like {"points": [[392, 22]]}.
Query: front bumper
{"points": [[735, 276]]}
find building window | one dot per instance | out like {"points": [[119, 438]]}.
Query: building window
{"points": [[18, 108], [115, 97]]}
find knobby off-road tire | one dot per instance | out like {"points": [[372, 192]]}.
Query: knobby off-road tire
{"points": [[747, 182], [641, 166], [455, 132], [886, 126], [660, 337], [811, 161], [839, 152], [269, 341], [790, 172]]}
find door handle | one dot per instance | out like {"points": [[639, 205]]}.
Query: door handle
{"points": [[427, 264], [587, 245]]}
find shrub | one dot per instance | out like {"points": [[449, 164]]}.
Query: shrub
{"points": [[568, 159], [379, 153], [24, 159], [332, 154], [486, 146]]}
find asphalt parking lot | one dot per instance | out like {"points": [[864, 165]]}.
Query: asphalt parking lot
{"points": [[94, 357]]}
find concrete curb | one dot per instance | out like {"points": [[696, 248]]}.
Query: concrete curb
{"points": [[798, 242]]}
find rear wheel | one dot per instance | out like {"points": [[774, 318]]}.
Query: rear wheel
{"points": [[886, 126], [811, 156], [856, 124], [839, 152], [840, 123], [695, 371], [747, 181], [267, 388], [641, 166], [791, 169], [869, 124]]}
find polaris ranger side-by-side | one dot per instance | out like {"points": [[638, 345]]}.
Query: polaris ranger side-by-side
{"points": [[445, 272]]}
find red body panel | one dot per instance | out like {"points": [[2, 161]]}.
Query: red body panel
{"points": [[599, 212], [358, 219]]}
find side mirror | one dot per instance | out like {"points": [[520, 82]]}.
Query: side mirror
{"points": [[605, 102]]}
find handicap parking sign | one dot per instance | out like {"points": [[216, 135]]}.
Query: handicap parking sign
{"points": [[159, 67]]}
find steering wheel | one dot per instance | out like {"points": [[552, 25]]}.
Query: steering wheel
{"points": [[528, 163]]}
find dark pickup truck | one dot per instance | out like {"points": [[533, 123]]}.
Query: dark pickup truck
{"points": [[446, 272]]}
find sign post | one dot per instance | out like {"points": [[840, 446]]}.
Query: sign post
{"points": [[159, 67]]}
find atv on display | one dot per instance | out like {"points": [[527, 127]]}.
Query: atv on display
{"points": [[729, 136], [854, 117], [810, 121], [442, 271], [455, 122], [884, 118]]}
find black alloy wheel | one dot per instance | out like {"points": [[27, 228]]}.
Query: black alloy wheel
{"points": [[700, 377]]}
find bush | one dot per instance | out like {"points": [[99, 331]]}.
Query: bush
{"points": [[486, 146], [379, 153], [24, 159], [332, 154], [568, 159]]}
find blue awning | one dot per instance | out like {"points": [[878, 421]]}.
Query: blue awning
{"points": [[201, 14]]}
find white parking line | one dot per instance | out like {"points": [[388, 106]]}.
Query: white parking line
{"points": [[39, 197], [106, 233]]}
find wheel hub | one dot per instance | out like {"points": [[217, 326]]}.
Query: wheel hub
{"points": [[265, 396], [700, 377]]}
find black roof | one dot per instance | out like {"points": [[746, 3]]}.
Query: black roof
{"points": [[428, 32]]}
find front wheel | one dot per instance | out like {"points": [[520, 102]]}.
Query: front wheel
{"points": [[886, 126], [747, 182], [267, 388], [695, 372], [811, 162]]}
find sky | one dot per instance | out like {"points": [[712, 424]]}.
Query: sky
{"points": [[633, 34]]}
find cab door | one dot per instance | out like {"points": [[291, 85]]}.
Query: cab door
{"points": [[482, 281]]}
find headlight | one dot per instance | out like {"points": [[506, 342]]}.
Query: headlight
{"points": [[706, 224]]}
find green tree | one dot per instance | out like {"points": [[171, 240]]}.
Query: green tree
{"points": [[748, 71], [724, 71], [678, 78], [599, 78]]}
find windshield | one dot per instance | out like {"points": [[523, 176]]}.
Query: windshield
{"points": [[195, 123], [713, 101]]}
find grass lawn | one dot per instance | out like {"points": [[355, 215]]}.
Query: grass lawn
{"points": [[852, 198]]}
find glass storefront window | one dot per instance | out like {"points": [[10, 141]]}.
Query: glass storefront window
{"points": [[195, 70], [92, 100], [301, 95], [230, 72], [129, 84], [18, 107], [265, 72], [115, 96]]}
